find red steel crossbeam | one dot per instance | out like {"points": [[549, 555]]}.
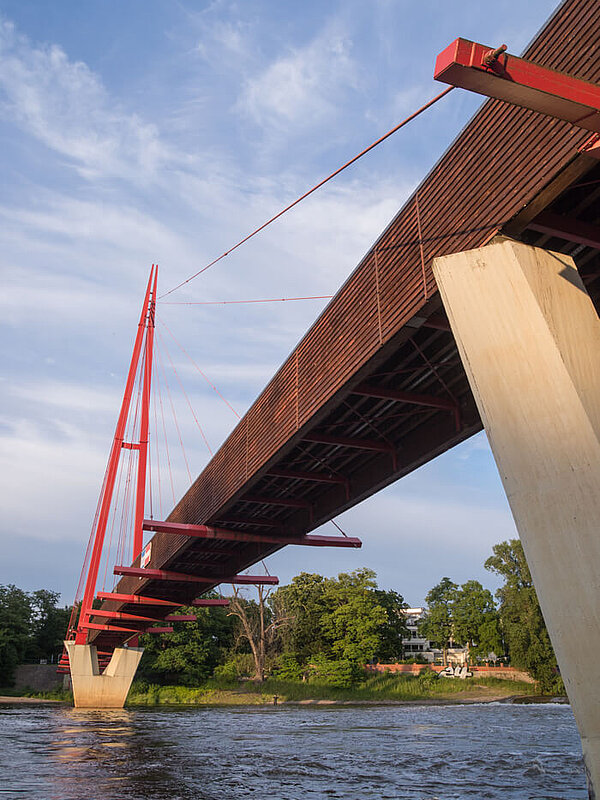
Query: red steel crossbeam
{"points": [[348, 441], [385, 393], [181, 618], [114, 628], [206, 532], [276, 501], [572, 230], [138, 599], [168, 575], [495, 73], [119, 615], [317, 477], [166, 629]]}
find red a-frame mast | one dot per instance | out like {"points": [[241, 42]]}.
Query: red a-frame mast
{"points": [[143, 348]]}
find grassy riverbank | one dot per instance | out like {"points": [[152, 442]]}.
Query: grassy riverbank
{"points": [[374, 689]]}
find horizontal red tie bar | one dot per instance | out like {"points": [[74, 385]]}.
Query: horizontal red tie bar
{"points": [[207, 532], [136, 598], [347, 441], [117, 629], [318, 477], [120, 615], [167, 629], [384, 393], [168, 575], [181, 618], [495, 73]]}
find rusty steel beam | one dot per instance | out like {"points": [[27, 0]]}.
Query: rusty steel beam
{"points": [[495, 73], [168, 575], [384, 393], [349, 441], [207, 532], [572, 230], [138, 599]]}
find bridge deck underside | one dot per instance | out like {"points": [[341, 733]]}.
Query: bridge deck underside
{"points": [[376, 387]]}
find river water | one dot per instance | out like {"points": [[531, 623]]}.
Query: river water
{"points": [[511, 752]]}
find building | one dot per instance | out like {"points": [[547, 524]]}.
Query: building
{"points": [[416, 646]]}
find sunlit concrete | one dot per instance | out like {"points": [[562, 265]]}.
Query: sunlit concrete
{"points": [[529, 339], [109, 689]]}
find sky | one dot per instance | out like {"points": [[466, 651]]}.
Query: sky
{"points": [[163, 131]]}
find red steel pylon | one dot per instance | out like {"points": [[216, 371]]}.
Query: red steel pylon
{"points": [[143, 347]]}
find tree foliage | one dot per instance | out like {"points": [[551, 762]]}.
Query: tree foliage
{"points": [[191, 653], [523, 625], [437, 625], [32, 628]]}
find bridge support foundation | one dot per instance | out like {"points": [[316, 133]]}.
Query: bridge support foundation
{"points": [[529, 339], [109, 689]]}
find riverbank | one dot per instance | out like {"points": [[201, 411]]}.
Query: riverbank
{"points": [[382, 690]]}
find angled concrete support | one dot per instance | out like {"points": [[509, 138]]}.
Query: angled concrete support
{"points": [[109, 690], [529, 339]]}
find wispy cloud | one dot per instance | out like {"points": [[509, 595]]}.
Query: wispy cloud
{"points": [[63, 104]]}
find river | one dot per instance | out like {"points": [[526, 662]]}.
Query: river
{"points": [[491, 751]]}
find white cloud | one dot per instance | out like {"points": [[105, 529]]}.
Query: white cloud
{"points": [[302, 88], [65, 106]]}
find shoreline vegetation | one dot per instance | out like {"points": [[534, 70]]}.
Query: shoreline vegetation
{"points": [[384, 689]]}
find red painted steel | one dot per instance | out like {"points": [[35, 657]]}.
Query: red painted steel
{"points": [[206, 532], [138, 533], [572, 230], [385, 393], [93, 626], [164, 629], [113, 462], [168, 575], [136, 598], [277, 501], [495, 73], [119, 615], [317, 477], [348, 441], [181, 618]]}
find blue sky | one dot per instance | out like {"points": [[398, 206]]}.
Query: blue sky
{"points": [[157, 131]]}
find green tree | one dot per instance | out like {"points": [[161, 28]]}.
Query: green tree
{"points": [[438, 625], [48, 625], [303, 602], [354, 619], [523, 625], [476, 620], [15, 630], [393, 630], [190, 654]]}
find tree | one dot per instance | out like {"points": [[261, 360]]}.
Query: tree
{"points": [[48, 625], [437, 625], [525, 632], [354, 619], [258, 624], [394, 629], [15, 630], [303, 602], [476, 621], [189, 654]]}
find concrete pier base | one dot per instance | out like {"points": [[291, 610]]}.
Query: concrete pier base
{"points": [[109, 690], [529, 339]]}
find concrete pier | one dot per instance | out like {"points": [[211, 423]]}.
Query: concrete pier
{"points": [[109, 689], [529, 339]]}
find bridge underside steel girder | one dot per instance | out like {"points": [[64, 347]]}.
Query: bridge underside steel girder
{"points": [[385, 341]]}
